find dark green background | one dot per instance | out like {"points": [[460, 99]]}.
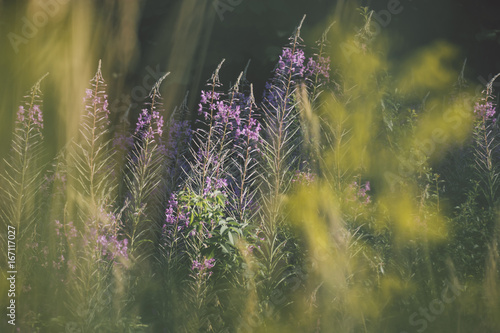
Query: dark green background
{"points": [[256, 30]]}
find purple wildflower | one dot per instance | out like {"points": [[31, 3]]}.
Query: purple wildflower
{"points": [[34, 116], [148, 125], [289, 70], [88, 94], [291, 62], [360, 192], [224, 114], [203, 268], [175, 215], [303, 177], [96, 103], [112, 247], [250, 130], [170, 213], [318, 67], [72, 232], [20, 114], [486, 110], [209, 99], [212, 185]]}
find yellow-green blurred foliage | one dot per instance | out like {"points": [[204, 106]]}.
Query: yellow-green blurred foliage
{"points": [[350, 288]]}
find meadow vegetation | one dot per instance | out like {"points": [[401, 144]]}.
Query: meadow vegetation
{"points": [[355, 194]]}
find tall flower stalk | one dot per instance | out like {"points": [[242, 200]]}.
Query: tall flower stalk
{"points": [[93, 158], [144, 175], [486, 145], [280, 157], [22, 178], [205, 162], [280, 144], [245, 161], [102, 245]]}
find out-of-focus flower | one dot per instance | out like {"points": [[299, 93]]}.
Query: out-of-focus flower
{"points": [[486, 110], [203, 267], [34, 117]]}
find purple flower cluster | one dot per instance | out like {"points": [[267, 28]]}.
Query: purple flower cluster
{"points": [[69, 231], [212, 185], [361, 192], [291, 62], [319, 67], [251, 130], [224, 114], [210, 99], [98, 106], [34, 116], [57, 265], [105, 237], [303, 177], [291, 67], [112, 247], [148, 125], [70, 234], [486, 110], [175, 215], [231, 128], [228, 114], [204, 267]]}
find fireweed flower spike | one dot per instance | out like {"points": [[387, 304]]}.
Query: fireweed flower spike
{"points": [[213, 110], [149, 126], [175, 215], [145, 168], [92, 156], [486, 144], [485, 110], [150, 123], [20, 180], [204, 267], [247, 143], [280, 138], [33, 117]]}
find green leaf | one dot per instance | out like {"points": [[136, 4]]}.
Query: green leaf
{"points": [[224, 248]]}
